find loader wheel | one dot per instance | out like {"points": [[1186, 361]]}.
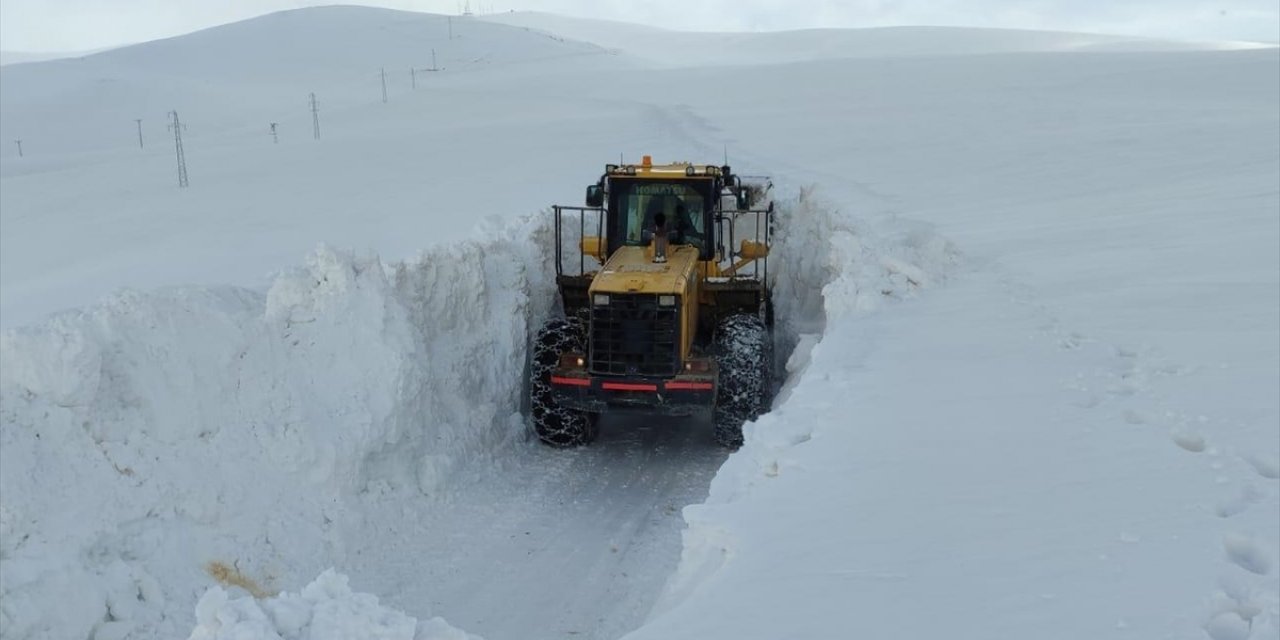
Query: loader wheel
{"points": [[743, 351], [556, 425]]}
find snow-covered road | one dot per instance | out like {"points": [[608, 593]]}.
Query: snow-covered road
{"points": [[547, 544]]}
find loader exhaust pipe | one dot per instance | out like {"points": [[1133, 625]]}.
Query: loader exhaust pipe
{"points": [[660, 237]]}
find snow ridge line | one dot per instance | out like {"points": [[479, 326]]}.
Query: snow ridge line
{"points": [[231, 425]]}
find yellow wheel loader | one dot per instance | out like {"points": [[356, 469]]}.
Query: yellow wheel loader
{"points": [[663, 313]]}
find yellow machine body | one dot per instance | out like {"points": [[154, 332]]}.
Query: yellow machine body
{"points": [[633, 270]]}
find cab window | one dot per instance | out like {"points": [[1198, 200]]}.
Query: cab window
{"points": [[682, 204]]}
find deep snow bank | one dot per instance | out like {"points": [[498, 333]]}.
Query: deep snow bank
{"points": [[969, 465], [830, 267], [326, 609], [157, 432], [832, 264]]}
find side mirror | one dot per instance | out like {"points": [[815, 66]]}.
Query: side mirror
{"points": [[595, 196]]}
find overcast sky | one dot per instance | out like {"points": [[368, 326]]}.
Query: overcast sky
{"points": [[79, 25]]}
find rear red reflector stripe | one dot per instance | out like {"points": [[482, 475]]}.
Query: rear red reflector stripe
{"points": [[623, 386], [700, 386], [577, 382]]}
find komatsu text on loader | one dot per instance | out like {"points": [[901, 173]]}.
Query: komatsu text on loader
{"points": [[664, 313]]}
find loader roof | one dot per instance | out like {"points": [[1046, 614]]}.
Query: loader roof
{"points": [[670, 171]]}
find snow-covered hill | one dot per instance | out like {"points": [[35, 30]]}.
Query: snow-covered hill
{"points": [[237, 77], [26, 57], [1034, 295], [682, 48]]}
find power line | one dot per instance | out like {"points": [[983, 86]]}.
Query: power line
{"points": [[177, 144]]}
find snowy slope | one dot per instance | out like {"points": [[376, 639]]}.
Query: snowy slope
{"points": [[1035, 297], [1079, 438], [228, 84], [240, 76], [680, 48], [24, 57]]}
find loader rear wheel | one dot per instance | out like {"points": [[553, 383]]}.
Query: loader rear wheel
{"points": [[743, 350], [555, 425]]}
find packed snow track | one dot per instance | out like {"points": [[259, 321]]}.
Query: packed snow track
{"points": [[554, 544]]}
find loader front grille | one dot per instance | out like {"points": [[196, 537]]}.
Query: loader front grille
{"points": [[633, 336]]}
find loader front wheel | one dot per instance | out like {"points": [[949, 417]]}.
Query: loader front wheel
{"points": [[743, 349], [556, 425]]}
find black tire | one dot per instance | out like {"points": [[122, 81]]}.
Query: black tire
{"points": [[555, 425], [743, 349]]}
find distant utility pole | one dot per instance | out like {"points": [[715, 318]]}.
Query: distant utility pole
{"points": [[413, 78], [433, 61], [274, 139], [450, 18], [315, 117], [19, 143], [139, 121], [177, 144], [384, 85]]}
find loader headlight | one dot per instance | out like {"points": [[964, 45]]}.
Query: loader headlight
{"points": [[697, 366], [600, 299], [666, 301], [572, 361]]}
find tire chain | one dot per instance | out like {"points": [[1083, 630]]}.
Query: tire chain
{"points": [[744, 356], [555, 425]]}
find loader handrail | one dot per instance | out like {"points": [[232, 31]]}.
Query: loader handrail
{"points": [[582, 232], [762, 217]]}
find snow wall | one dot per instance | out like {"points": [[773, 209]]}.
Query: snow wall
{"points": [[239, 427], [242, 427], [832, 266]]}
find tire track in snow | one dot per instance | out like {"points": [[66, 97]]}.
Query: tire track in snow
{"points": [[556, 543]]}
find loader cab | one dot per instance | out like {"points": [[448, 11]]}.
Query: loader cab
{"points": [[688, 205]]}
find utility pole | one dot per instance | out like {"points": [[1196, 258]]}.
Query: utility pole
{"points": [[139, 121], [177, 143], [433, 61], [19, 143], [413, 78], [384, 85], [315, 117], [274, 138], [450, 18]]}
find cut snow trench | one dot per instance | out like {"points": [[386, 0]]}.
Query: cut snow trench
{"points": [[368, 405]]}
